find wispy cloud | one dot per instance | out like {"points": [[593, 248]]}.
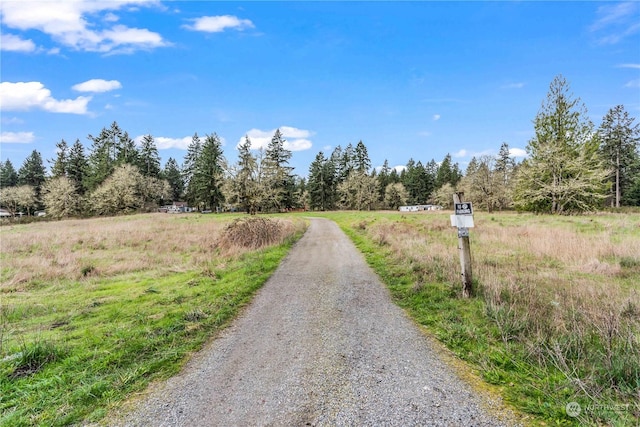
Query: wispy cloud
{"points": [[97, 86], [23, 96], [80, 25], [636, 66], [633, 84], [218, 24], [436, 117], [615, 22], [17, 137], [519, 85], [295, 139]]}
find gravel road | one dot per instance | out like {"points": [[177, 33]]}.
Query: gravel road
{"points": [[321, 344]]}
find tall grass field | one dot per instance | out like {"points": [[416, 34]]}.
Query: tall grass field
{"points": [[555, 317], [92, 311]]}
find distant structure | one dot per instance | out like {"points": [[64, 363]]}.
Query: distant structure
{"points": [[177, 207], [418, 208]]}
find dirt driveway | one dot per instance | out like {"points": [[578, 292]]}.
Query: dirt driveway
{"points": [[321, 344]]}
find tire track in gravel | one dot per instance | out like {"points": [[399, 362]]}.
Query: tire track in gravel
{"points": [[321, 344]]}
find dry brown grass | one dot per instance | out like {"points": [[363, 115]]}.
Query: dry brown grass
{"points": [[567, 289], [102, 247], [254, 233]]}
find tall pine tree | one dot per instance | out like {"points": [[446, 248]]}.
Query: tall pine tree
{"points": [[619, 139]]}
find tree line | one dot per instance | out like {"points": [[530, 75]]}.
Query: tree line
{"points": [[571, 167]]}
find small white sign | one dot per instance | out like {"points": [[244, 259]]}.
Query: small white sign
{"points": [[465, 208], [462, 221]]}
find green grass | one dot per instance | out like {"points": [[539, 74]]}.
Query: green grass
{"points": [[72, 350], [509, 338]]}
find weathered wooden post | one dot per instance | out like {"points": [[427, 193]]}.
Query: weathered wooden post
{"points": [[463, 220]]}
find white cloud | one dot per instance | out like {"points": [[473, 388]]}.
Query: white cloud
{"points": [[519, 85], [164, 143], [436, 117], [633, 84], [424, 133], [97, 85], [461, 153], [636, 66], [217, 24], [616, 22], [298, 144], [23, 96], [79, 25], [13, 43], [399, 168], [517, 152], [16, 137], [295, 139]]}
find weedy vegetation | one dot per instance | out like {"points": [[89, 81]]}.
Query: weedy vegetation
{"points": [[94, 310], [556, 312]]}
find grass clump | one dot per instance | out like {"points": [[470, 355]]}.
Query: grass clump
{"points": [[253, 233]]}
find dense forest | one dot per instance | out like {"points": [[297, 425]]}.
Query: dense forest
{"points": [[571, 167]]}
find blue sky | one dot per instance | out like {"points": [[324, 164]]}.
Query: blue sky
{"points": [[410, 79]]}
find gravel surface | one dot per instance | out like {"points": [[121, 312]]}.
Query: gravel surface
{"points": [[321, 344]]}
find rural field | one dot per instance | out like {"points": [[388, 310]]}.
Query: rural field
{"points": [[92, 311], [556, 316]]}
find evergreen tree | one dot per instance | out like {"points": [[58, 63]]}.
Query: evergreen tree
{"points": [[361, 158], [564, 172], [505, 168], [336, 159], [448, 173], [60, 163], [619, 139], [127, 153], [279, 178], [347, 162], [246, 178], [149, 159], [384, 179], [173, 176], [32, 173], [78, 167], [102, 158], [208, 176], [321, 186], [189, 167], [8, 174]]}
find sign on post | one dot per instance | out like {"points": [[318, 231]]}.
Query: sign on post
{"points": [[463, 208], [463, 220]]}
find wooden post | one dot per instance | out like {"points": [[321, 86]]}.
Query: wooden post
{"points": [[465, 254]]}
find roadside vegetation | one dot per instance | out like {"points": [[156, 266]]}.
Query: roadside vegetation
{"points": [[92, 311], [556, 312]]}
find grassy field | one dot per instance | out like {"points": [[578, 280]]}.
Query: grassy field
{"points": [[94, 310], [556, 312]]}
